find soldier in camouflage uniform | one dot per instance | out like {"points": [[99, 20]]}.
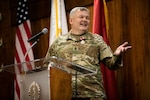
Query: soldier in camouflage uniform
{"points": [[86, 49]]}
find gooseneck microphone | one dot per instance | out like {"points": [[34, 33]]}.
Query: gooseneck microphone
{"points": [[37, 36]]}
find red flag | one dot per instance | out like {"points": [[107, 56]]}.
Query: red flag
{"points": [[23, 33], [99, 27]]}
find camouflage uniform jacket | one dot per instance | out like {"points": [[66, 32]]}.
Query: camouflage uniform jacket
{"points": [[87, 50]]}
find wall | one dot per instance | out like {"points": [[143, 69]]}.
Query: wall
{"points": [[129, 21]]}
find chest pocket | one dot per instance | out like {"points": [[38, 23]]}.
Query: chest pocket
{"points": [[93, 51], [86, 52]]}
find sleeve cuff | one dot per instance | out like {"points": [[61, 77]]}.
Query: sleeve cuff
{"points": [[118, 60]]}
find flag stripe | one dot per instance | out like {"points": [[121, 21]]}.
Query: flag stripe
{"points": [[17, 89], [21, 41], [17, 60], [56, 17], [106, 16], [27, 29], [19, 49]]}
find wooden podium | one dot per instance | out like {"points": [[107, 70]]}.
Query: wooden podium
{"points": [[50, 82], [47, 83]]}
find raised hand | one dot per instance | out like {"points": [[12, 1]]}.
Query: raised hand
{"points": [[122, 48]]}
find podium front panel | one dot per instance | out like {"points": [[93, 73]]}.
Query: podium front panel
{"points": [[35, 86]]}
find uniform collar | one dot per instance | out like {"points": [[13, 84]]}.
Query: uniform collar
{"points": [[85, 36]]}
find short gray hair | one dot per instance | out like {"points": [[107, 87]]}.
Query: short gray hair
{"points": [[78, 9]]}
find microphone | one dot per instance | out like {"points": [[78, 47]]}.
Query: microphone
{"points": [[36, 36]]}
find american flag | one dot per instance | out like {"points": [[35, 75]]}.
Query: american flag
{"points": [[23, 33]]}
